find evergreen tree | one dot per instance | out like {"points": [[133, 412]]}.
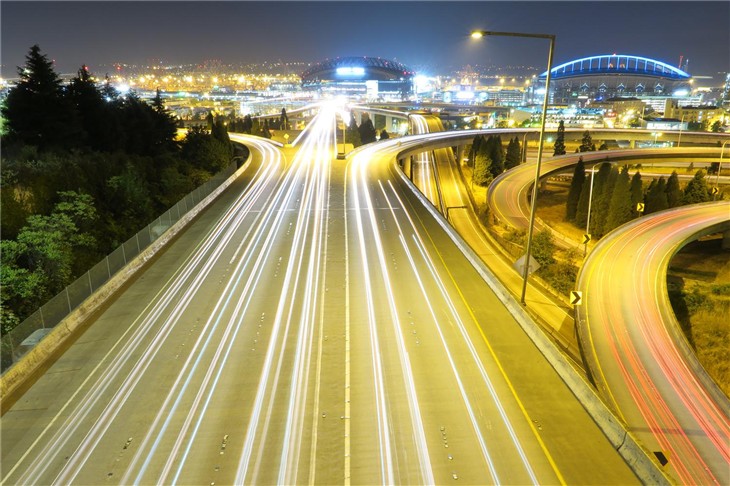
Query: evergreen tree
{"points": [[482, 175], [697, 190], [209, 119], [496, 155], [619, 209], [247, 124], [37, 111], [352, 134], [475, 148], [384, 134], [602, 190], [560, 140], [99, 118], [283, 120], [581, 212], [514, 154], [367, 130], [576, 187], [637, 193], [674, 193], [586, 144], [656, 196], [265, 131]]}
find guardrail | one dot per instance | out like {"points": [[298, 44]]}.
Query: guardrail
{"points": [[19, 341]]}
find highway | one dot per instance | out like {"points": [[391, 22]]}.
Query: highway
{"points": [[315, 325], [508, 194], [637, 355]]}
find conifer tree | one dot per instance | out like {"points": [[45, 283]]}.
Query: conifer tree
{"points": [[576, 186], [581, 213], [496, 155], [514, 153], [637, 193], [697, 190], [619, 210], [674, 193], [587, 144], [656, 196], [37, 111], [559, 147], [602, 190]]}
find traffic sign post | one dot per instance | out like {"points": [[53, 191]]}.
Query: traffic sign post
{"points": [[576, 297], [639, 207]]}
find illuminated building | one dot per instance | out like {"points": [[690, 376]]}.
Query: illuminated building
{"points": [[363, 77]]}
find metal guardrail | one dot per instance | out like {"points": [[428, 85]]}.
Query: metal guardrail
{"points": [[20, 340]]}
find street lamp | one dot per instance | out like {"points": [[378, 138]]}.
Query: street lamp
{"points": [[681, 125], [478, 34], [719, 169], [588, 219], [656, 135]]}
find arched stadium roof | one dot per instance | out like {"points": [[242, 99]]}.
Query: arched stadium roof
{"points": [[617, 64], [357, 66]]}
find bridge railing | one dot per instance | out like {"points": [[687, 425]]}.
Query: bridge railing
{"points": [[21, 339]]}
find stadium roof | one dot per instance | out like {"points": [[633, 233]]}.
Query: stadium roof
{"points": [[357, 68], [617, 64]]}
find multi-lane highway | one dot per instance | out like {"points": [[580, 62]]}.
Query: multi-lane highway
{"points": [[315, 325], [636, 352]]}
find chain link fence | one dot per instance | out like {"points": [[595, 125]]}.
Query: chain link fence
{"points": [[14, 344]]}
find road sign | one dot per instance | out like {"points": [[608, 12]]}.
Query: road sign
{"points": [[714, 191], [586, 239], [519, 265], [576, 297], [639, 207]]}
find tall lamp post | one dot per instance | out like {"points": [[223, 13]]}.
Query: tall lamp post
{"points": [[719, 169], [478, 34]]}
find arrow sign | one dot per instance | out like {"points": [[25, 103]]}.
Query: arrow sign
{"points": [[586, 239], [639, 207], [714, 191], [576, 297]]}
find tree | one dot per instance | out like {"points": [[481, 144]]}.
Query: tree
{"points": [[475, 148], [495, 154], [514, 154], [482, 175], [674, 193], [37, 110], [637, 193], [543, 247], [656, 196], [696, 190], [602, 190], [283, 120], [352, 134], [587, 144], [40, 262], [560, 140], [581, 212], [619, 210], [717, 127], [384, 134], [576, 186], [367, 130], [203, 151]]}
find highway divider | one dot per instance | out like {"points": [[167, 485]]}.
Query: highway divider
{"points": [[29, 345]]}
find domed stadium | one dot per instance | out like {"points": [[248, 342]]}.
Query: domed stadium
{"points": [[615, 75], [368, 77]]}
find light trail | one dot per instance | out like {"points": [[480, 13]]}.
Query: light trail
{"points": [[628, 328]]}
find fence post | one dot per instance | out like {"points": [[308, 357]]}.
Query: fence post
{"points": [[136, 237], [124, 254], [43, 319], [91, 287], [68, 299], [108, 268]]}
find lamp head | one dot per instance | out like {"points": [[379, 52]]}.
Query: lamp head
{"points": [[477, 34]]}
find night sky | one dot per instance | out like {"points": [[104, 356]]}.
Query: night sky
{"points": [[431, 37]]}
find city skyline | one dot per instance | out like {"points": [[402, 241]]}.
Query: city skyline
{"points": [[430, 37]]}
